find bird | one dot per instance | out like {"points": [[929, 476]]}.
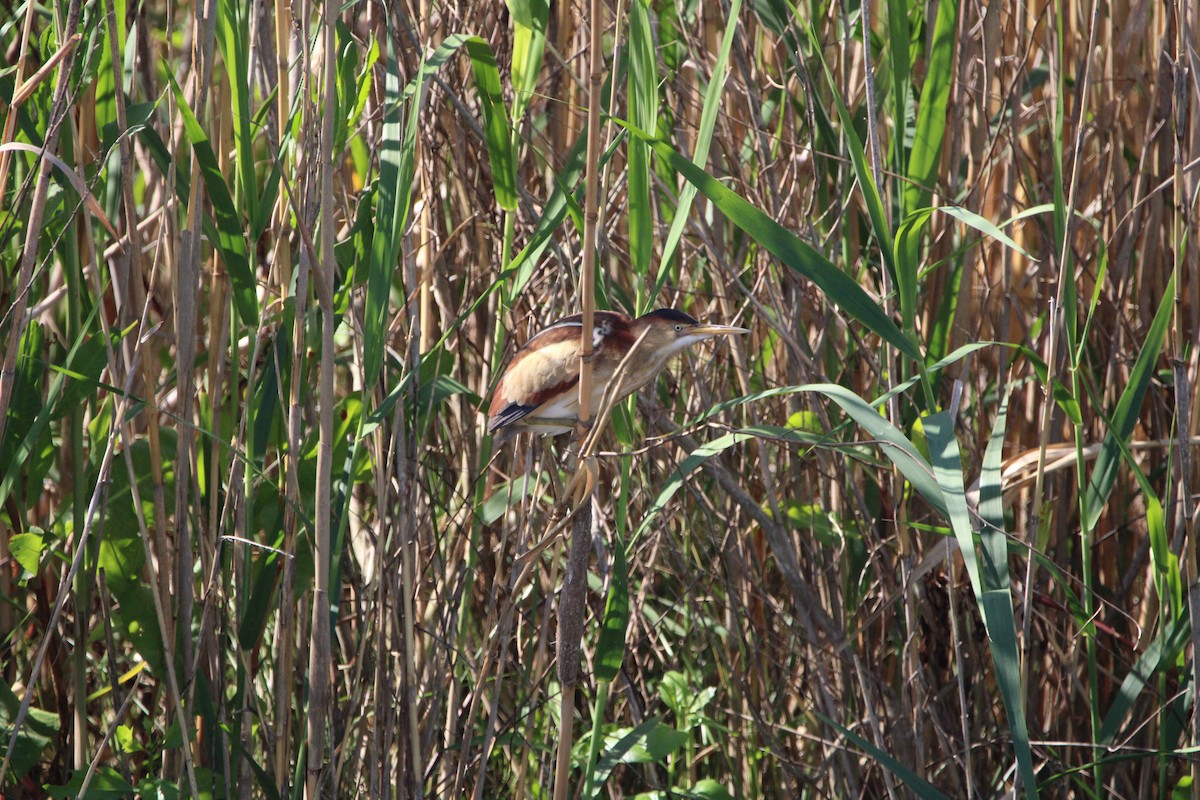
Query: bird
{"points": [[538, 391]]}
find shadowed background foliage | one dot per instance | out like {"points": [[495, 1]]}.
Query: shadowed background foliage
{"points": [[921, 532]]}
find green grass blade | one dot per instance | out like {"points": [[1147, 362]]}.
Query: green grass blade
{"points": [[895, 445], [993, 542], [984, 226], [495, 122], [610, 650], [529, 44], [1104, 474], [1159, 656], [391, 215], [839, 287], [995, 604], [926, 156], [643, 109], [713, 98], [233, 34], [899, 389], [394, 203], [918, 785], [899, 37], [231, 240], [564, 200]]}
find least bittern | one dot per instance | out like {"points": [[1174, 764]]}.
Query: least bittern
{"points": [[539, 390]]}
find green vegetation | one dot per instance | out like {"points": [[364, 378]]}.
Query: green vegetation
{"points": [[929, 530]]}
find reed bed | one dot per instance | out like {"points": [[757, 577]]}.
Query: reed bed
{"points": [[931, 529]]}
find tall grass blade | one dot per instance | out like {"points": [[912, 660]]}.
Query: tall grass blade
{"points": [[796, 254], [231, 240], [995, 603], [495, 122], [643, 109], [232, 39], [924, 162], [529, 43], [393, 201], [899, 39], [1104, 473], [918, 785], [713, 97]]}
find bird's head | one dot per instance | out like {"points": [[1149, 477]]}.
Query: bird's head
{"points": [[668, 332]]}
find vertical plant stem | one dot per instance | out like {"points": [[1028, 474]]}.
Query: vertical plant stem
{"points": [[1183, 247], [320, 657], [572, 605]]}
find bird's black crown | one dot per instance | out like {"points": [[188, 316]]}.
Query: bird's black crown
{"points": [[671, 315]]}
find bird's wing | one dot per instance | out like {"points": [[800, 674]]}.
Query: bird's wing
{"points": [[537, 377]]}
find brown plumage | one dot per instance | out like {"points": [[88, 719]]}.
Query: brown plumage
{"points": [[538, 391]]}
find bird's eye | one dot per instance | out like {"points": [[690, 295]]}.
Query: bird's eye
{"points": [[678, 328]]}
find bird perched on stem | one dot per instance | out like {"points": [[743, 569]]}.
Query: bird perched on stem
{"points": [[539, 393]]}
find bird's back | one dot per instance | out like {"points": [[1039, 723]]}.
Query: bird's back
{"points": [[544, 371]]}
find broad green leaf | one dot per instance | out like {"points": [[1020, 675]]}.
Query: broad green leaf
{"points": [[39, 731], [26, 549], [106, 784]]}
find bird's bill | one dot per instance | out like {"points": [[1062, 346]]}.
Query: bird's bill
{"points": [[716, 330]]}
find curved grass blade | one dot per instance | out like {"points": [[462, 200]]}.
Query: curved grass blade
{"points": [[1159, 656], [839, 287], [1104, 474], [995, 604], [895, 445], [919, 786]]}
